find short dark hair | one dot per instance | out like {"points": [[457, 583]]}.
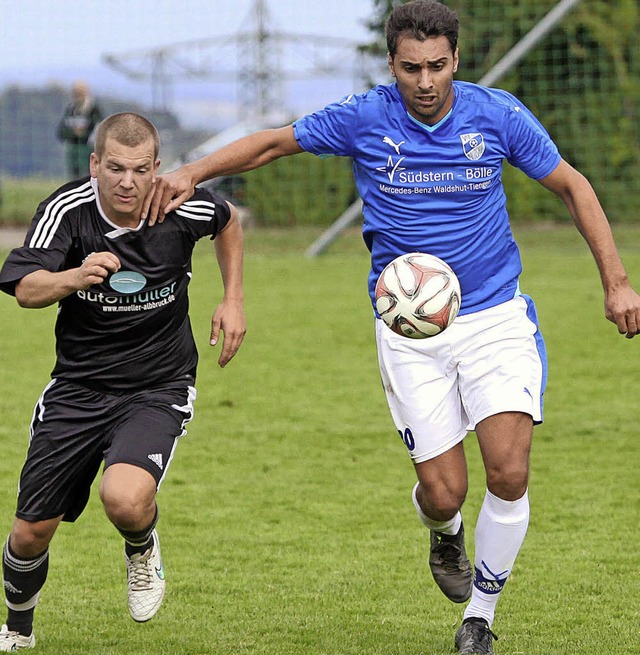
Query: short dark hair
{"points": [[421, 19], [128, 129]]}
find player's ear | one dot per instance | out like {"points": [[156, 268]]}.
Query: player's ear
{"points": [[456, 61], [93, 164], [390, 64]]}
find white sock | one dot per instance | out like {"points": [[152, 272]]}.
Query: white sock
{"points": [[452, 526], [500, 531]]}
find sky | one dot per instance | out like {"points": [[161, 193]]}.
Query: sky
{"points": [[58, 41]]}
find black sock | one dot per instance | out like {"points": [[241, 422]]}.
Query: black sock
{"points": [[130, 549], [21, 622], [23, 579], [140, 541]]}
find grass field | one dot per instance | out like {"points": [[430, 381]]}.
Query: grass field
{"points": [[286, 521], [19, 197]]}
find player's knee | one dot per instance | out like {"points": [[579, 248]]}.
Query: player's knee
{"points": [[125, 510], [128, 496], [30, 539], [508, 481], [443, 501]]}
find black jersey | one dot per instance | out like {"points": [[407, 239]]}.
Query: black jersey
{"points": [[133, 330]]}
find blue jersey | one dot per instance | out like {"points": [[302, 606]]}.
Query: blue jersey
{"points": [[437, 189]]}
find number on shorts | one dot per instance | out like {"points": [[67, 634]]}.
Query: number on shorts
{"points": [[408, 439]]}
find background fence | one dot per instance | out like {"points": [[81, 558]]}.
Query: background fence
{"points": [[582, 80]]}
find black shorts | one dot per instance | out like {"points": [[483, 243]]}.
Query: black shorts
{"points": [[75, 429]]}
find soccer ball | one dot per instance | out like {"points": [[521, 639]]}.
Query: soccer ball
{"points": [[418, 295]]}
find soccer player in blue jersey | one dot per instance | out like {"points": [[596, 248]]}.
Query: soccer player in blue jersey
{"points": [[427, 157], [123, 385]]}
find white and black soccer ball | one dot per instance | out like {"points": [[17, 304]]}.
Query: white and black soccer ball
{"points": [[418, 295]]}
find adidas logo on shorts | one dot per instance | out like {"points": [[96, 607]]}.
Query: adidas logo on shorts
{"points": [[156, 458]]}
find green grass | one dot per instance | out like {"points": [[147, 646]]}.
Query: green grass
{"points": [[20, 197], [286, 521]]}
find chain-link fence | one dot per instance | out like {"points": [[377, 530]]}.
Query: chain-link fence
{"points": [[582, 79]]}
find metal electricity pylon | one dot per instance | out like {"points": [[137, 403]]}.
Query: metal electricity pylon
{"points": [[251, 58]]}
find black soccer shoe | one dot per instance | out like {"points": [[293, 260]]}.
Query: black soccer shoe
{"points": [[450, 566], [474, 637]]}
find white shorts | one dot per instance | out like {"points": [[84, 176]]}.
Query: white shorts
{"points": [[485, 363]]}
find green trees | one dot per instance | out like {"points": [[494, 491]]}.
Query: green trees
{"points": [[582, 80]]}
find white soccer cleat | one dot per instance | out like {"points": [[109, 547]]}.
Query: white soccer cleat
{"points": [[11, 641], [145, 581]]}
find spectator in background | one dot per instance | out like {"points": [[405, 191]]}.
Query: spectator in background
{"points": [[76, 126]]}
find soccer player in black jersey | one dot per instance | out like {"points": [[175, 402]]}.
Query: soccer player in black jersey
{"points": [[122, 387]]}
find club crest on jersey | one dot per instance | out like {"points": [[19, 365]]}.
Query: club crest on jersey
{"points": [[473, 145]]}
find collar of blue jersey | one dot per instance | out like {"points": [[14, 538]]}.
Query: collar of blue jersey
{"points": [[431, 128]]}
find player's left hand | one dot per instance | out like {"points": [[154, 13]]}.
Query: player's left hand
{"points": [[622, 307], [228, 317]]}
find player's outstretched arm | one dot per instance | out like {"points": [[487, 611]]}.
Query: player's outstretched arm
{"points": [[622, 303], [172, 189], [229, 314], [43, 288]]}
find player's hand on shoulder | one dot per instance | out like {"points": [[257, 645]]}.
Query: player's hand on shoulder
{"points": [[95, 267], [167, 193]]}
